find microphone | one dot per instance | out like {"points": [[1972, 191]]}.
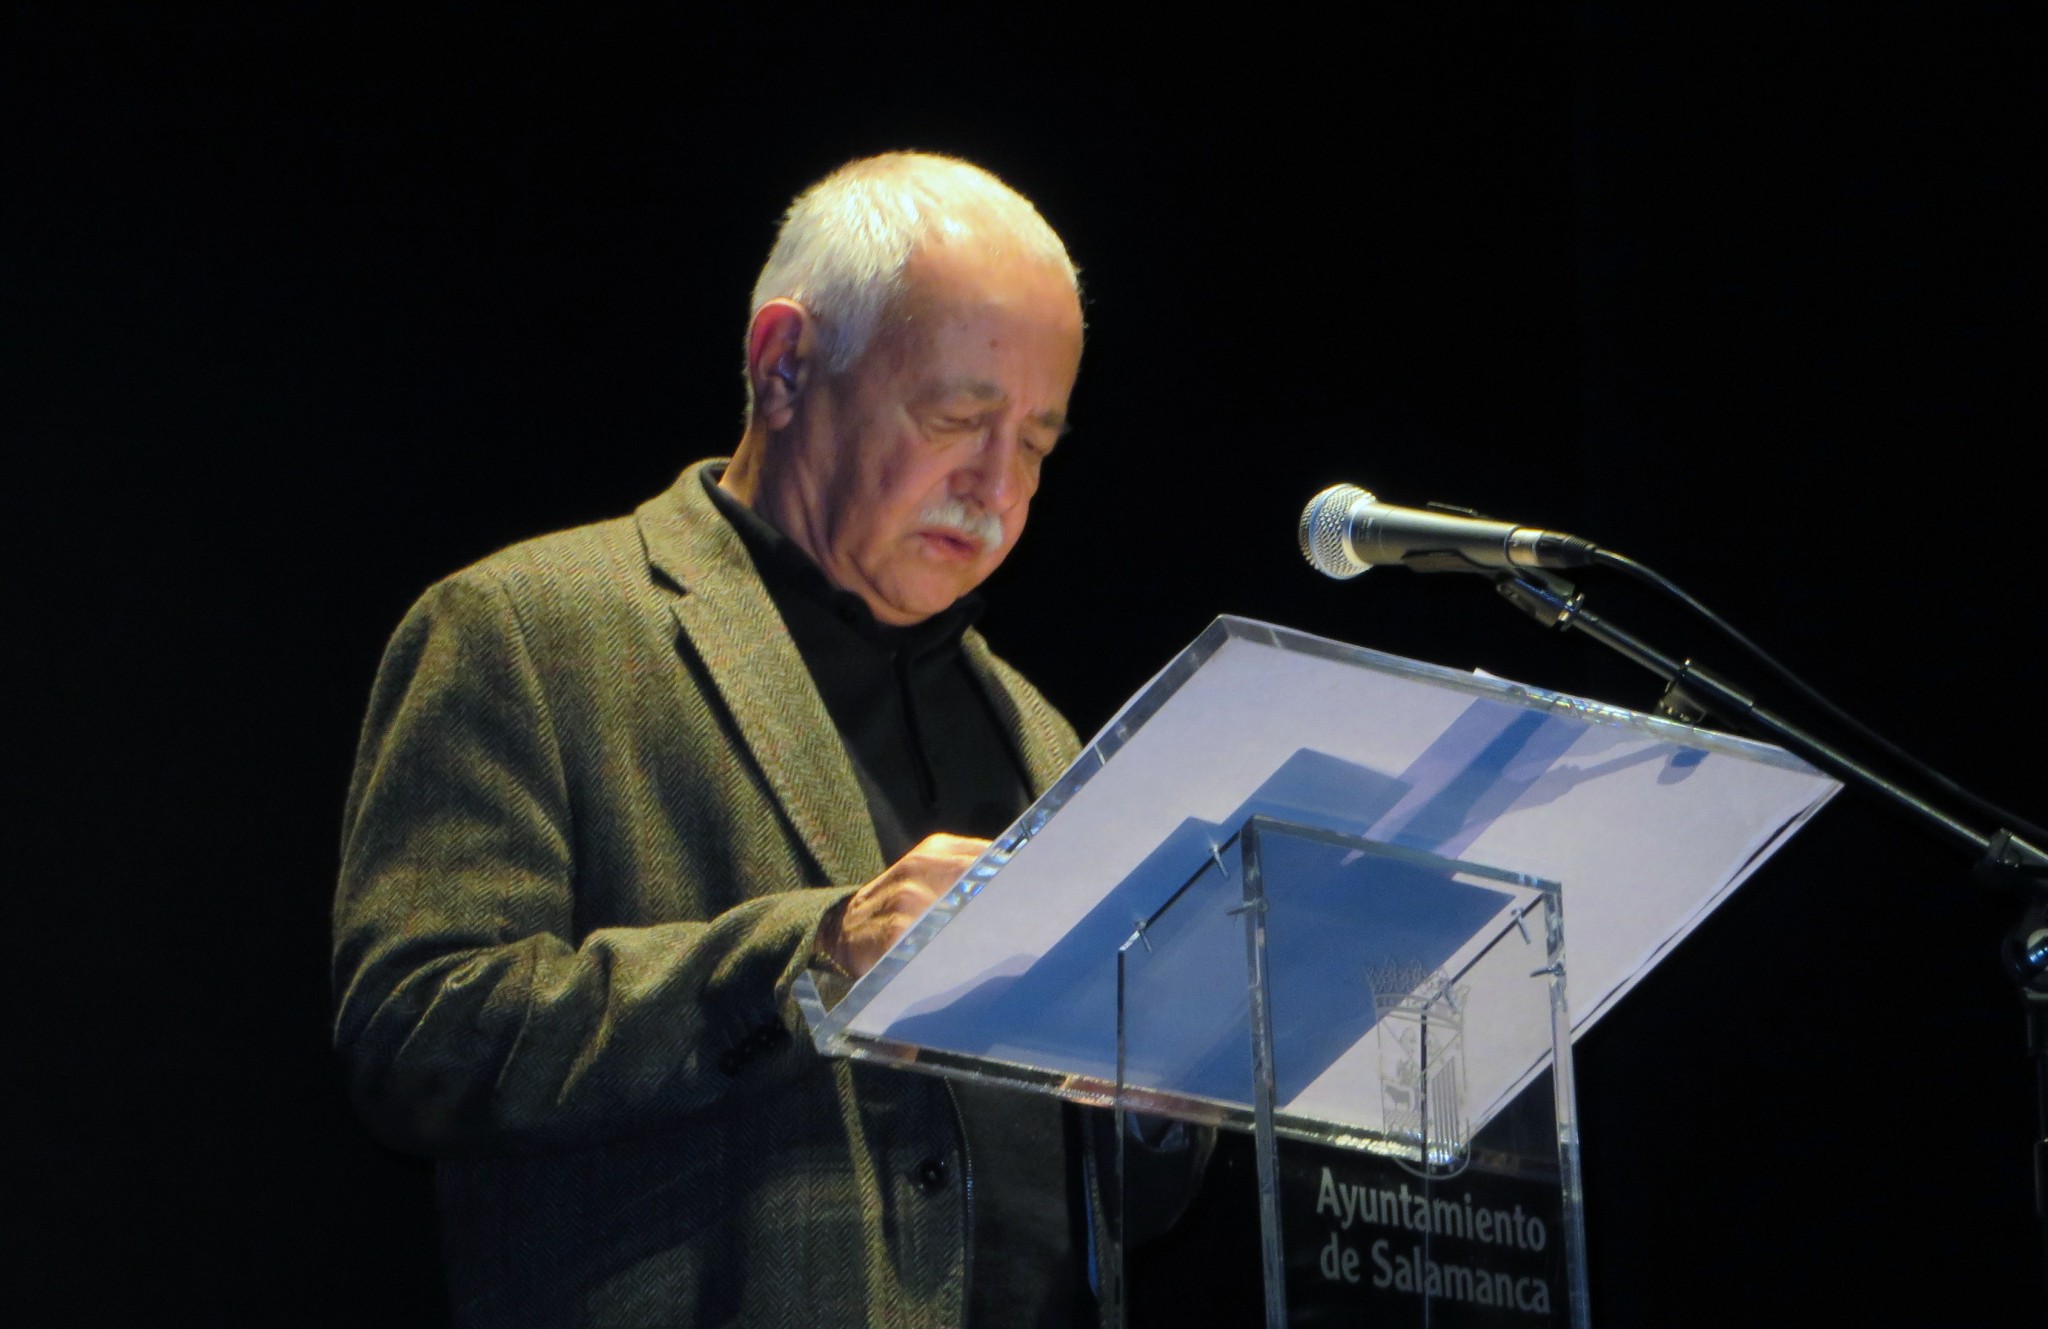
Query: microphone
{"points": [[1345, 530]]}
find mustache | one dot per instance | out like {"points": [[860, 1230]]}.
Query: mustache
{"points": [[977, 524]]}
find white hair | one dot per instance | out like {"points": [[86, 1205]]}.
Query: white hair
{"points": [[845, 242]]}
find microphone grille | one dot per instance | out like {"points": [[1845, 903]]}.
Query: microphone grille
{"points": [[1325, 531]]}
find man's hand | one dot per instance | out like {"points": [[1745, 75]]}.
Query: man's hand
{"points": [[883, 910]]}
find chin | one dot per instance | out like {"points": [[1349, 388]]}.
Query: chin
{"points": [[925, 602], [923, 587]]}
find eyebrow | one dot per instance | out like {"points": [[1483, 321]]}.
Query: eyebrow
{"points": [[982, 390]]}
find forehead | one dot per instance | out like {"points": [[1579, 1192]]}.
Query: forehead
{"points": [[980, 327], [945, 284]]}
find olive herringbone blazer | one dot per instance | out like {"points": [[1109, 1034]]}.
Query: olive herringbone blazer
{"points": [[597, 814]]}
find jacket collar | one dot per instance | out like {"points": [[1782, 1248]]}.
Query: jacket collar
{"points": [[730, 623], [1040, 734], [733, 628]]}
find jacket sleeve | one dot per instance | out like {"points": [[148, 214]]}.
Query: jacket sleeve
{"points": [[471, 1016]]}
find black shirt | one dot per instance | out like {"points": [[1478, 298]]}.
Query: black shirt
{"points": [[932, 755]]}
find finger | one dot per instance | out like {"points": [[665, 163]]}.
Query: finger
{"points": [[944, 845]]}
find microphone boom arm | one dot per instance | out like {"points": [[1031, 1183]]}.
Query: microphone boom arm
{"points": [[1693, 691]]}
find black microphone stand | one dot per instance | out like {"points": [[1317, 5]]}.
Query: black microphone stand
{"points": [[2001, 859]]}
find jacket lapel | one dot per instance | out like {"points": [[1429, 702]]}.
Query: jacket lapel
{"points": [[727, 618], [1041, 737]]}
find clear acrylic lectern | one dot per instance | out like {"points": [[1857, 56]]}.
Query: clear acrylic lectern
{"points": [[1317, 893]]}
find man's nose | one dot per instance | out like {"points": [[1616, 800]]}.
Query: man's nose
{"points": [[998, 476]]}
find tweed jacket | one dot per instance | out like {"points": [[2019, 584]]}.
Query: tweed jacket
{"points": [[597, 814]]}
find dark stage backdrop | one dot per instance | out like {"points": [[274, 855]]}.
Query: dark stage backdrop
{"points": [[307, 305]]}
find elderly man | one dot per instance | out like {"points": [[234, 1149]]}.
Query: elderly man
{"points": [[620, 786]]}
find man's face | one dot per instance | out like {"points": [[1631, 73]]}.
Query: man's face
{"points": [[918, 465]]}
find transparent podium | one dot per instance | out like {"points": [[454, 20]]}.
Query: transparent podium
{"points": [[1317, 893]]}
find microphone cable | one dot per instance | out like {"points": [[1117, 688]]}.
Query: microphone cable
{"points": [[1658, 581]]}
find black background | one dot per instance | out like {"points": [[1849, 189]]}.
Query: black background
{"points": [[305, 305]]}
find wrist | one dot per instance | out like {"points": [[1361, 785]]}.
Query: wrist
{"points": [[825, 947]]}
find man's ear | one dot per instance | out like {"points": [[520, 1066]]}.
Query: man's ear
{"points": [[779, 359]]}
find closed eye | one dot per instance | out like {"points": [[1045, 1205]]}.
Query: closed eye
{"points": [[941, 423]]}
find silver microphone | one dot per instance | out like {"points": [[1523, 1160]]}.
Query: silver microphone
{"points": [[1345, 530]]}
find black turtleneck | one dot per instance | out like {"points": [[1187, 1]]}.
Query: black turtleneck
{"points": [[929, 751], [932, 756]]}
